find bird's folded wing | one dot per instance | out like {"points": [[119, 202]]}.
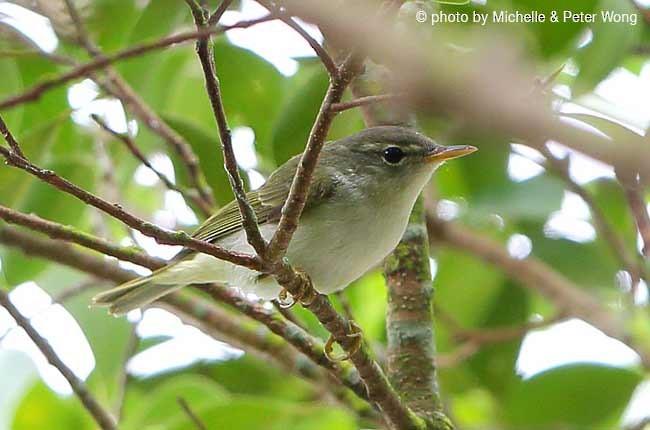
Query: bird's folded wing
{"points": [[267, 203]]}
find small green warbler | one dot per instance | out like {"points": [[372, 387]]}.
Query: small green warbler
{"points": [[363, 190]]}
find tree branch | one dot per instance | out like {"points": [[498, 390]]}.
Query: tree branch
{"points": [[204, 206], [363, 101], [320, 51], [148, 229], [35, 92], [638, 206], [206, 55], [310, 346], [71, 234], [379, 389], [532, 273], [191, 415], [409, 320], [297, 198], [101, 416], [616, 243]]}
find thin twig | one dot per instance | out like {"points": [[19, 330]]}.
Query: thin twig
{"points": [[75, 290], [304, 342], [71, 234], [123, 91], [297, 198], [472, 340], [162, 236], [532, 273], [11, 141], [638, 206], [190, 414], [206, 56], [131, 349], [320, 51], [215, 16], [616, 243], [35, 92], [363, 101], [288, 314], [101, 416], [205, 207]]}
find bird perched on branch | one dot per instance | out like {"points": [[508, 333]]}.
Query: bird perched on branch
{"points": [[363, 190]]}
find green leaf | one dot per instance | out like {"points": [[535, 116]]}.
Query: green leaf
{"points": [[11, 84], [251, 91], [299, 109], [588, 264], [109, 338], [619, 133], [161, 406], [465, 297], [367, 297], [207, 147], [494, 364], [122, 16], [611, 43], [252, 376], [552, 38], [33, 196], [262, 412], [42, 409], [575, 396]]}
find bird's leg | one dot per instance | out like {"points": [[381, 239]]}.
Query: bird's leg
{"points": [[305, 295], [355, 333]]}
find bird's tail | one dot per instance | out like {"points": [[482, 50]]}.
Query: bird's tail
{"points": [[133, 294]]}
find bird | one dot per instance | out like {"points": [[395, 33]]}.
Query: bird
{"points": [[363, 190]]}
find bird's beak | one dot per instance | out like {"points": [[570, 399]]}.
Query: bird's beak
{"points": [[442, 153]]}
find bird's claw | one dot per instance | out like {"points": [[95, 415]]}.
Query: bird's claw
{"points": [[306, 295], [355, 333]]}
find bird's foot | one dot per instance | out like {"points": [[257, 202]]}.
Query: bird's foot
{"points": [[305, 295], [356, 334]]}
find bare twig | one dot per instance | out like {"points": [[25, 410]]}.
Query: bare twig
{"points": [[206, 55], [101, 416], [532, 273], [310, 346], [205, 207], [75, 290], [616, 243], [215, 16], [320, 51], [296, 336], [11, 141], [363, 101], [148, 229], [122, 90], [473, 340], [435, 82], [190, 414], [297, 198], [638, 206], [131, 349], [35, 92], [71, 234]]}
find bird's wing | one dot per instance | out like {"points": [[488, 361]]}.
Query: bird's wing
{"points": [[267, 203]]}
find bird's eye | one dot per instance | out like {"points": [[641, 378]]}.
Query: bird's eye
{"points": [[393, 155]]}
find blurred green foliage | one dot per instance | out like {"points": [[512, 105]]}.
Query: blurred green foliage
{"points": [[483, 391]]}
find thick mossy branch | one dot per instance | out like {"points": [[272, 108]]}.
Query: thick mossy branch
{"points": [[409, 322]]}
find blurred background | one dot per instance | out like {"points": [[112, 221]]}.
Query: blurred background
{"points": [[508, 356]]}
